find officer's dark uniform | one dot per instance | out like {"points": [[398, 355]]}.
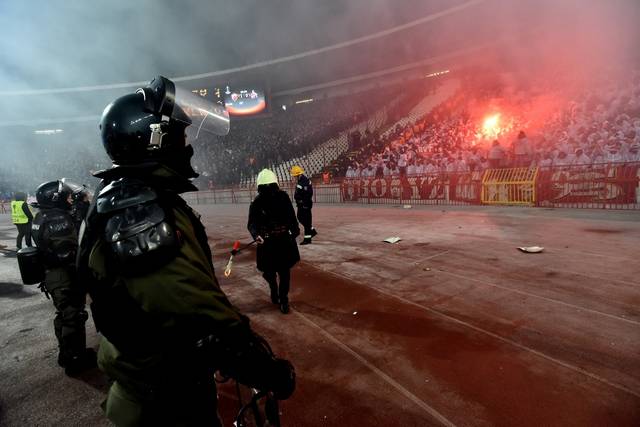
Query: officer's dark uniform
{"points": [[80, 202], [166, 324], [57, 240], [304, 201], [271, 217]]}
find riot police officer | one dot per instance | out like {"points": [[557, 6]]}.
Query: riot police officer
{"points": [[304, 201], [273, 224], [57, 240], [166, 324]]}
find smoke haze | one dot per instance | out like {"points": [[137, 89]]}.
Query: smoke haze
{"points": [[63, 44]]}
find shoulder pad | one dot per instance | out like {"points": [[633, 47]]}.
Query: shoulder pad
{"points": [[141, 237], [124, 193]]}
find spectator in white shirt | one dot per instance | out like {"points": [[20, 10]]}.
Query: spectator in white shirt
{"points": [[411, 169], [613, 154], [369, 172], [522, 151], [546, 161], [581, 158], [634, 152], [496, 155], [562, 159]]}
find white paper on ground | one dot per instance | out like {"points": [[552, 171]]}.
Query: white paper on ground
{"points": [[392, 239], [532, 249]]}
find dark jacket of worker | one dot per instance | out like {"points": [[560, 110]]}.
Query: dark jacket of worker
{"points": [[271, 216], [304, 192]]}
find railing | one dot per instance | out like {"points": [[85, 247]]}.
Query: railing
{"points": [[606, 186], [514, 186]]}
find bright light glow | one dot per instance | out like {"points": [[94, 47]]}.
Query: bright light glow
{"points": [[491, 126], [304, 101], [48, 131], [284, 107]]}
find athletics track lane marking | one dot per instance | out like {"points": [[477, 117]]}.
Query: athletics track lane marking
{"points": [[576, 307], [386, 378], [491, 334]]}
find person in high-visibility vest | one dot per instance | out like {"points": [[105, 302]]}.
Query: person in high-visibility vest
{"points": [[22, 218]]}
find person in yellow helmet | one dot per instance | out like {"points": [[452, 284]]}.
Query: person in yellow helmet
{"points": [[21, 216], [273, 224], [304, 201]]}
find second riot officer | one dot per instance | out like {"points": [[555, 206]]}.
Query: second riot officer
{"points": [[273, 225], [57, 240]]}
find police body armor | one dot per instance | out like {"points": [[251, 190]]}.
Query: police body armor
{"points": [[132, 219], [33, 261], [51, 224]]}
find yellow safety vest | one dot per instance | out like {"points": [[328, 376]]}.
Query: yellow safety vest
{"points": [[17, 214]]}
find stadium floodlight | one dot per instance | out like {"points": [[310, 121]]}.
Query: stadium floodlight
{"points": [[304, 101], [48, 131]]}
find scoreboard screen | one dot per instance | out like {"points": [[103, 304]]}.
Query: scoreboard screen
{"points": [[245, 101]]}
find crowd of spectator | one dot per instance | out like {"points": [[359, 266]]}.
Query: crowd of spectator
{"points": [[600, 125], [255, 143], [597, 126], [32, 160]]}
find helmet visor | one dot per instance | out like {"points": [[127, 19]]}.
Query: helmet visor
{"points": [[205, 117], [76, 190]]}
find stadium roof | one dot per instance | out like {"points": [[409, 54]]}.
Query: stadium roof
{"points": [[69, 62]]}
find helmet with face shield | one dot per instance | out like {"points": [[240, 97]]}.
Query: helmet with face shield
{"points": [[149, 125], [53, 194]]}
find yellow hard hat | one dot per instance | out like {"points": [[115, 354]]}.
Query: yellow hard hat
{"points": [[266, 176], [296, 170]]}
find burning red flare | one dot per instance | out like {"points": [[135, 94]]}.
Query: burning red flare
{"points": [[491, 126]]}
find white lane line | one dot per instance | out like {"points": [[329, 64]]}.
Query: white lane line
{"points": [[604, 279], [493, 335], [529, 294], [415, 399], [432, 256]]}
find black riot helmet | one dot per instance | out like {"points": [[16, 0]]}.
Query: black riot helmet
{"points": [[150, 124], [53, 194], [79, 192]]}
